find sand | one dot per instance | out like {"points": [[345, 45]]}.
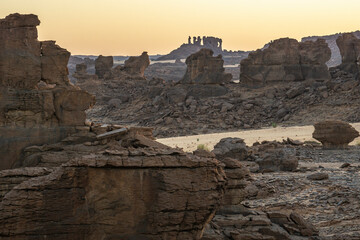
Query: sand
{"points": [[302, 133]]}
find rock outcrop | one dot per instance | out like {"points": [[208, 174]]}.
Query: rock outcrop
{"points": [[334, 134], [349, 47], [203, 68], [81, 74], [103, 66], [232, 148], [38, 104], [109, 183], [273, 157], [286, 60], [137, 65]]}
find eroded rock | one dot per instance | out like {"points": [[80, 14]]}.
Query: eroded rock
{"points": [[349, 47], [119, 184], [334, 134], [38, 104], [203, 68], [286, 60], [103, 66]]}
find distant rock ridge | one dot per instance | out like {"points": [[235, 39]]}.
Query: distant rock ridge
{"points": [[186, 49]]}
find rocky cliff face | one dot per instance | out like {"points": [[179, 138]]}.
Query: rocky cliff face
{"points": [[38, 103], [117, 184], [286, 60]]}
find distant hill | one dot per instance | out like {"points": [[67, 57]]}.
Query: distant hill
{"points": [[331, 41]]}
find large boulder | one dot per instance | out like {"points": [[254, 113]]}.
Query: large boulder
{"points": [[109, 184], [349, 47], [334, 134], [286, 60], [203, 68], [37, 102], [231, 148]]}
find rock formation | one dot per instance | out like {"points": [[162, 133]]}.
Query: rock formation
{"points": [[38, 104], [81, 74], [273, 157], [349, 47], [239, 222], [103, 66], [231, 147], [109, 183], [135, 66], [185, 50], [286, 60], [334, 134], [203, 68]]}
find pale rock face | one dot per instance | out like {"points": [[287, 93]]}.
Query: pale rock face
{"points": [[286, 60]]}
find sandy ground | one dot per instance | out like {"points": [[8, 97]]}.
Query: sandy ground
{"points": [[302, 133]]}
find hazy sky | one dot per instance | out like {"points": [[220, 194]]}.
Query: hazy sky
{"points": [[128, 27]]}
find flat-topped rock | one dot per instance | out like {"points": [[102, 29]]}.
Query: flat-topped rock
{"points": [[286, 60]]}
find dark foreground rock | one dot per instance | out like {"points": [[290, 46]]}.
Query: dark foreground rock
{"points": [[38, 104], [97, 187]]}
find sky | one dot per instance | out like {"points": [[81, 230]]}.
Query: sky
{"points": [[129, 27]]}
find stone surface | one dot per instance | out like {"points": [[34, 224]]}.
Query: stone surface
{"points": [[86, 188], [349, 46], [231, 147], [203, 68], [318, 176], [137, 65], [239, 223], [103, 65], [334, 134], [18, 37], [286, 60], [272, 157], [37, 102], [54, 61]]}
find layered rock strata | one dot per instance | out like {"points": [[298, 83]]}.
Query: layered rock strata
{"points": [[286, 60], [37, 102], [349, 46], [334, 134], [117, 184]]}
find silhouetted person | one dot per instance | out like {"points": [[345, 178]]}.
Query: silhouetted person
{"points": [[199, 40], [189, 40], [194, 40]]}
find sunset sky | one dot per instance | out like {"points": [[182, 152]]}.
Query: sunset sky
{"points": [[124, 27]]}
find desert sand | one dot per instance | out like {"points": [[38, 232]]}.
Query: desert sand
{"points": [[301, 133]]}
